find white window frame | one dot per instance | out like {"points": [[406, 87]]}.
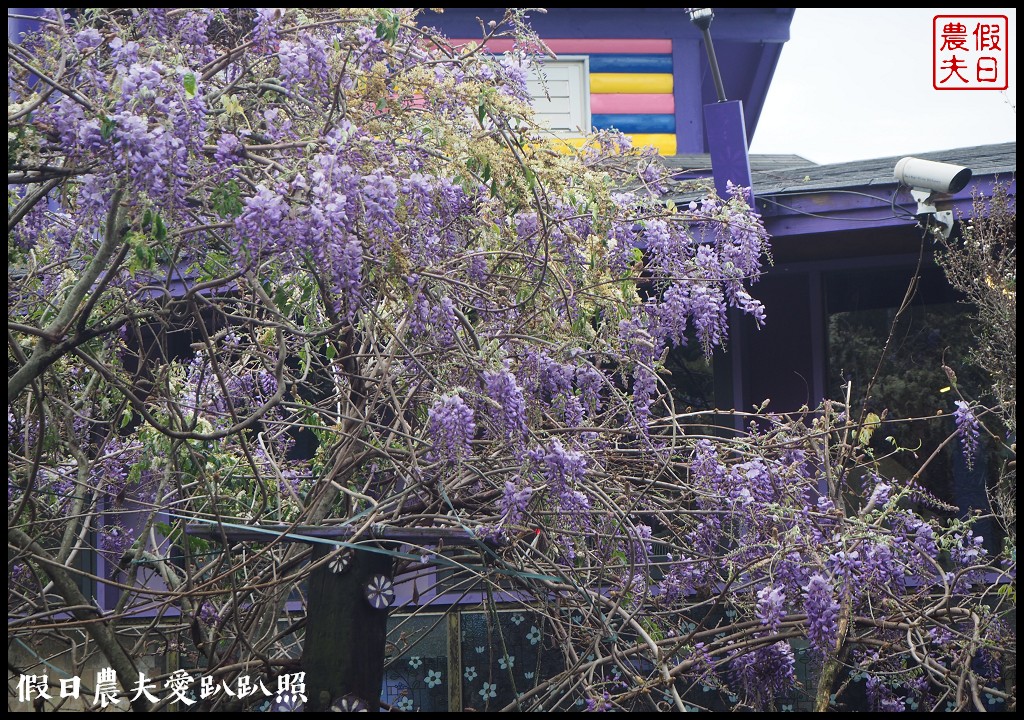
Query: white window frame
{"points": [[579, 91]]}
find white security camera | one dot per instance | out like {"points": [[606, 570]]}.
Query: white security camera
{"points": [[926, 179], [932, 176]]}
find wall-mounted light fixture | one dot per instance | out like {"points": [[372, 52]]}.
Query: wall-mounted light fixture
{"points": [[702, 17]]}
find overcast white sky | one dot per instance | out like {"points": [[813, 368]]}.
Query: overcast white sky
{"points": [[853, 84]]}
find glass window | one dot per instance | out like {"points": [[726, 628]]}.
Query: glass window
{"points": [[892, 344]]}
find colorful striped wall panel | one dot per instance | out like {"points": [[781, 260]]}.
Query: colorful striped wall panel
{"points": [[631, 85]]}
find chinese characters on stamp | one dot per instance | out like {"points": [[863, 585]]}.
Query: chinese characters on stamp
{"points": [[970, 52]]}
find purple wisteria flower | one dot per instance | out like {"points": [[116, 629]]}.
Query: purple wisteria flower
{"points": [[88, 39], [879, 496], [770, 610], [294, 62], [514, 502], [228, 151], [882, 697], [116, 540], [501, 387], [968, 427], [451, 428], [765, 673], [822, 613], [265, 31]]}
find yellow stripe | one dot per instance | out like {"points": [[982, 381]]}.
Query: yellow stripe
{"points": [[604, 83], [664, 142]]}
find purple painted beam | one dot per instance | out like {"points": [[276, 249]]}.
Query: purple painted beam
{"points": [[583, 46], [759, 85], [752, 25], [686, 60], [727, 142], [857, 208], [22, 22]]}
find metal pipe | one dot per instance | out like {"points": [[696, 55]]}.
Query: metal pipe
{"points": [[713, 62], [702, 17]]}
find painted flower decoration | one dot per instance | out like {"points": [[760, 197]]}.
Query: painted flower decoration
{"points": [[433, 678], [380, 592], [288, 703], [349, 703], [479, 648], [489, 690], [506, 663], [415, 662], [340, 562], [470, 673], [534, 635], [989, 698], [528, 675], [517, 619], [405, 704]]}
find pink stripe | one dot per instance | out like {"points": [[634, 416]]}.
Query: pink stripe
{"points": [[571, 46], [641, 103]]}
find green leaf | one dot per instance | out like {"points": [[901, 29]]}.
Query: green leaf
{"points": [[190, 85], [227, 200], [531, 176], [168, 531], [281, 300], [198, 546], [107, 127], [159, 229], [871, 423], [142, 255], [387, 28], [331, 351]]}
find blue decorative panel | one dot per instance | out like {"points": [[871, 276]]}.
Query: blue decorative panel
{"points": [[631, 63], [635, 123]]}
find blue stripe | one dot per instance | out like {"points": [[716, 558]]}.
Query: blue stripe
{"points": [[631, 63], [635, 123]]}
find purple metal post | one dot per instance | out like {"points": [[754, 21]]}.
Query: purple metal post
{"points": [[727, 142]]}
